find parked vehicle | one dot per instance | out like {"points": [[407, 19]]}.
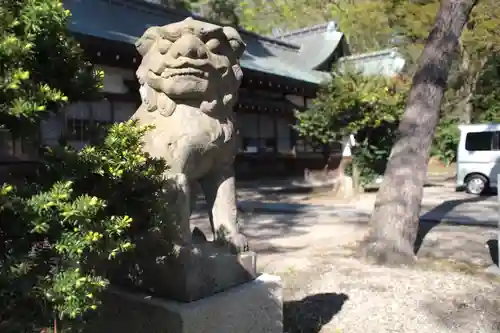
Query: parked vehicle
{"points": [[478, 157]]}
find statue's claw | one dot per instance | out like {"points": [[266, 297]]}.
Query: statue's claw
{"points": [[238, 243]]}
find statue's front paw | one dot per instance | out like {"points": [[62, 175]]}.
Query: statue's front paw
{"points": [[238, 243]]}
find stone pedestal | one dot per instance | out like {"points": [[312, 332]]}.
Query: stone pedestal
{"points": [[191, 274], [253, 307]]}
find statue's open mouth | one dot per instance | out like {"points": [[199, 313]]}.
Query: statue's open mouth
{"points": [[193, 72]]}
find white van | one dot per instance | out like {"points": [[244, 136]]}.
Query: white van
{"points": [[478, 157]]}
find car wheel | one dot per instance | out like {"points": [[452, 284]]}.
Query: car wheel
{"points": [[476, 184]]}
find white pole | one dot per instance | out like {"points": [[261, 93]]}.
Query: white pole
{"points": [[498, 226]]}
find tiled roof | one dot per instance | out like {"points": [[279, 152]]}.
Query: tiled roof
{"points": [[318, 44], [126, 20], [303, 55], [314, 50]]}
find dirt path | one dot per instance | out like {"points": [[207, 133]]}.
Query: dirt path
{"points": [[447, 292], [327, 288], [349, 295]]}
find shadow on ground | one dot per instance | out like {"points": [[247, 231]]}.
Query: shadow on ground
{"points": [[374, 188], [460, 244], [433, 218], [464, 243], [262, 230], [492, 245], [309, 314], [280, 232]]}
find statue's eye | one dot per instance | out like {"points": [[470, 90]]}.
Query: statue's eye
{"points": [[213, 45], [164, 45]]}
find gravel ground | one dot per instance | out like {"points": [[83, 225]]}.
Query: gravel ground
{"points": [[353, 297], [447, 292], [326, 290], [341, 294]]}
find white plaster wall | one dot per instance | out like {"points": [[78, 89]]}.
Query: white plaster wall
{"points": [[309, 102], [296, 100], [113, 79], [375, 63]]}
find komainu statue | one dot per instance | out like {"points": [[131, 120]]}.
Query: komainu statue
{"points": [[189, 78]]}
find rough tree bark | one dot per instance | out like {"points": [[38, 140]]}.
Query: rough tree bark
{"points": [[473, 70], [394, 222]]}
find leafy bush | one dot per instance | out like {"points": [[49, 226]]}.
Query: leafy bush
{"points": [[43, 67], [83, 207], [367, 106], [446, 140], [86, 206], [486, 99], [371, 154], [485, 109]]}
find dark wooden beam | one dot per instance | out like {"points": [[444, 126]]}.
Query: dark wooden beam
{"points": [[280, 84], [109, 53], [124, 55]]}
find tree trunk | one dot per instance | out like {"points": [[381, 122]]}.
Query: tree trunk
{"points": [[394, 222], [465, 105], [474, 70]]}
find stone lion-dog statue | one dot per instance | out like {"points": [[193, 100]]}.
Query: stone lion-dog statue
{"points": [[189, 78]]}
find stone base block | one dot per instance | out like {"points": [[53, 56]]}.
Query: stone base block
{"points": [[192, 274], [253, 307], [493, 270]]}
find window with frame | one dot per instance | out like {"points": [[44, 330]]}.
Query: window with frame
{"points": [[78, 122], [303, 145], [482, 141], [284, 135], [16, 146], [123, 111], [78, 129], [101, 118], [88, 122], [267, 133], [262, 133]]}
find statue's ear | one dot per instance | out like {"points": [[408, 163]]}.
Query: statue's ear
{"points": [[235, 41], [238, 48], [146, 42]]}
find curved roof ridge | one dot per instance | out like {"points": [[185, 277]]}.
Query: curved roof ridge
{"points": [[372, 54], [305, 30], [158, 9]]}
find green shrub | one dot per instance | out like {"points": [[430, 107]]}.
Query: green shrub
{"points": [[446, 140], [85, 205], [367, 106]]}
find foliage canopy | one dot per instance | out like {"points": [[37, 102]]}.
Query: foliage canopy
{"points": [[54, 232], [369, 107], [41, 65], [349, 103]]}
